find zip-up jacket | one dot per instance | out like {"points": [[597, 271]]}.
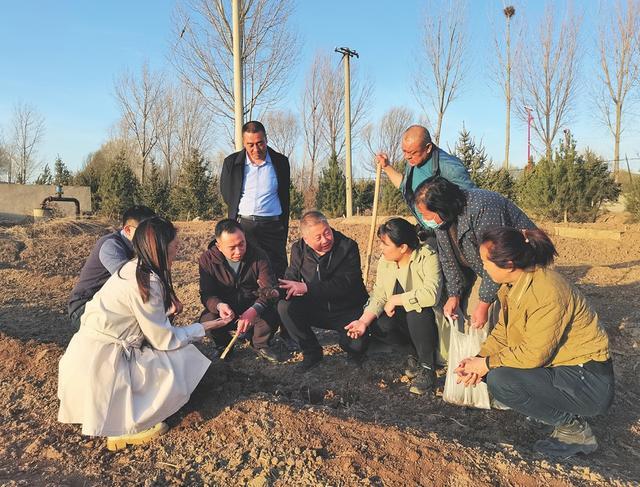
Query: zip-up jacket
{"points": [[335, 286], [220, 284]]}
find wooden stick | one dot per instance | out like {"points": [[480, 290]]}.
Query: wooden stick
{"points": [[372, 230], [226, 350]]}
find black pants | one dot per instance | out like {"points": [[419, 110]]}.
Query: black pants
{"points": [[76, 315], [260, 333], [271, 237], [419, 328], [555, 395], [299, 315]]}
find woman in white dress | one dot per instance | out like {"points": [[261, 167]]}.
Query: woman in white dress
{"points": [[127, 369]]}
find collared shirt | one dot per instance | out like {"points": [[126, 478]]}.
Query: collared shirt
{"points": [[484, 210], [259, 189]]}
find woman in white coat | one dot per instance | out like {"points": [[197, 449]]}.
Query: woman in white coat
{"points": [[127, 369]]}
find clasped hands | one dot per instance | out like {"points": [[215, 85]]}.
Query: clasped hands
{"points": [[471, 370]]}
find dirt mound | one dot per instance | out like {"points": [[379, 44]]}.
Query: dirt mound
{"points": [[258, 424]]}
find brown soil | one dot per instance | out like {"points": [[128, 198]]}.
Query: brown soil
{"points": [[253, 423]]}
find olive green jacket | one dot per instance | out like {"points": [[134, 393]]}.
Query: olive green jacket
{"points": [[421, 280], [544, 322]]}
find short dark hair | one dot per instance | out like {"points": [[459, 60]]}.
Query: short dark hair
{"points": [[227, 225], [519, 249], [137, 213], [400, 231], [253, 127], [441, 196]]}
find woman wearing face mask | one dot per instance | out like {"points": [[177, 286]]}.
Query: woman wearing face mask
{"points": [[459, 218], [407, 286], [548, 356], [127, 369]]}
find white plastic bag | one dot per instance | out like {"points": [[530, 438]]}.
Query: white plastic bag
{"points": [[462, 345]]}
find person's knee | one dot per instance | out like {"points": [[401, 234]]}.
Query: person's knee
{"points": [[503, 384]]}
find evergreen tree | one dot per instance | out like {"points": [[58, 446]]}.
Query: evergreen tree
{"points": [[155, 192], [118, 188], [480, 167], [632, 199], [331, 194], [45, 177], [218, 207], [363, 192], [391, 200], [61, 175], [191, 195], [296, 203], [472, 155], [570, 186]]}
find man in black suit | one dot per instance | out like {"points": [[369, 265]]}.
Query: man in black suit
{"points": [[255, 186]]}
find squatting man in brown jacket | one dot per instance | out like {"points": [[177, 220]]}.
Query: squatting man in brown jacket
{"points": [[231, 273]]}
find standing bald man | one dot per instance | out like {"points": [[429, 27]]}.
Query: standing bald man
{"points": [[424, 159]]}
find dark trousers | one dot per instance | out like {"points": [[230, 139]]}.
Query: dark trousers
{"points": [[271, 237], [76, 315], [419, 328], [299, 315], [555, 395], [260, 333]]}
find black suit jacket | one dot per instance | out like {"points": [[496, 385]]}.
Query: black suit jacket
{"points": [[232, 176]]}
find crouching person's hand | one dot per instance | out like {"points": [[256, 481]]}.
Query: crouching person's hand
{"points": [[356, 329], [246, 319], [471, 370]]}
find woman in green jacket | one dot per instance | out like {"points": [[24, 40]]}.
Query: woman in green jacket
{"points": [[407, 286], [548, 356]]}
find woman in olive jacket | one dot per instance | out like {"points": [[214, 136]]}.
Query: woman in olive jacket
{"points": [[548, 356]]}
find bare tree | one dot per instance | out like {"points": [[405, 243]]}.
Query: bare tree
{"points": [[5, 157], [140, 101], [387, 135], [27, 127], [183, 123], [502, 74], [442, 60], [547, 78], [166, 123], [331, 80], [203, 53], [312, 118], [194, 123], [619, 53], [283, 131]]}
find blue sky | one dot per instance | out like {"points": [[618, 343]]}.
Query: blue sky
{"points": [[62, 57]]}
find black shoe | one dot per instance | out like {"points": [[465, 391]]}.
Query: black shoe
{"points": [[309, 361], [412, 367], [269, 354], [424, 381], [568, 440], [289, 343]]}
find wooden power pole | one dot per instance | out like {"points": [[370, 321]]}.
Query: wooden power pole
{"points": [[347, 54]]}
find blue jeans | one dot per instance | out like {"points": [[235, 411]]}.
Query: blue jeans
{"points": [[555, 395]]}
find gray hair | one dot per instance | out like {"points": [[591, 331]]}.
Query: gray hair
{"points": [[311, 218]]}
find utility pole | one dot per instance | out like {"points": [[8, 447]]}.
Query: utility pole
{"points": [[237, 73], [529, 119], [347, 54]]}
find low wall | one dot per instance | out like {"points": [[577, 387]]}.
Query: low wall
{"points": [[17, 201]]}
